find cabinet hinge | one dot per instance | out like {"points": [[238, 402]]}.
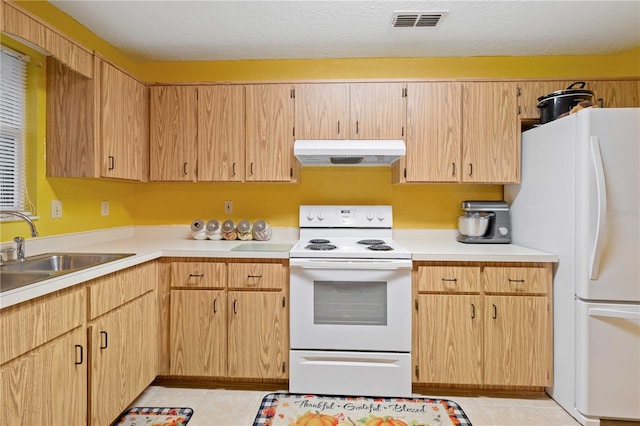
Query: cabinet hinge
{"points": [[405, 172], [284, 366], [291, 172], [519, 110], [292, 93], [518, 91], [417, 371], [284, 301], [294, 131], [404, 92], [416, 304]]}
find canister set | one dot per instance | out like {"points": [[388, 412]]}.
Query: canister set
{"points": [[228, 230]]}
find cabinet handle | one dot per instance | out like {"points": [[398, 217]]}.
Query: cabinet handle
{"points": [[235, 303], [473, 311], [251, 169], [184, 169], [450, 280], [495, 311], [453, 169], [81, 355], [215, 309], [417, 371], [233, 169], [470, 169], [601, 102], [284, 366], [254, 276], [357, 127], [112, 162], [196, 275], [415, 303], [284, 301], [515, 281], [105, 340]]}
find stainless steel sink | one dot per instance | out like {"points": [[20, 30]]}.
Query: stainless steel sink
{"points": [[41, 267]]}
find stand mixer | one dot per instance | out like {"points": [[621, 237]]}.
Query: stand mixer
{"points": [[485, 222]]}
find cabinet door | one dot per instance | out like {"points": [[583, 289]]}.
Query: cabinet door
{"points": [[221, 133], [616, 94], [123, 123], [490, 133], [322, 111], [173, 120], [434, 132], [450, 339], [47, 386], [123, 357], [517, 344], [269, 126], [198, 333], [258, 335], [378, 110]]}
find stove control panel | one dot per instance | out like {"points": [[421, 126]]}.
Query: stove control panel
{"points": [[346, 216]]}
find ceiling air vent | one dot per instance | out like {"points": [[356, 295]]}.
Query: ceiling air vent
{"points": [[417, 19]]}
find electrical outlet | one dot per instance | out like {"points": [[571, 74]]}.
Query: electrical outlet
{"points": [[104, 208], [228, 207], [56, 209]]}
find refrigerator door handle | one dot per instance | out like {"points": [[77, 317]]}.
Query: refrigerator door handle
{"points": [[601, 194], [612, 313]]}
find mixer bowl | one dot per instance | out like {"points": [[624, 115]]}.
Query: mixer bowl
{"points": [[473, 226]]}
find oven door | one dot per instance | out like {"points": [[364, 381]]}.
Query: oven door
{"points": [[350, 304]]}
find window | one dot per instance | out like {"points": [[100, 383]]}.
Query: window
{"points": [[13, 89]]}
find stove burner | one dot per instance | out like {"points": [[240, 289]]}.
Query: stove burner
{"points": [[320, 246], [380, 247], [370, 242], [319, 241]]}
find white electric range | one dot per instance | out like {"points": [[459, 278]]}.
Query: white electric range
{"points": [[350, 310]]}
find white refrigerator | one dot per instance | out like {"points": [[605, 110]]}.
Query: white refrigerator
{"points": [[579, 198]]}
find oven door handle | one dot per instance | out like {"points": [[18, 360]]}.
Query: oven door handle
{"points": [[353, 264]]}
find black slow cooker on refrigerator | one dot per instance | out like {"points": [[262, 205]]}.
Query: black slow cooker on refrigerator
{"points": [[559, 102]]}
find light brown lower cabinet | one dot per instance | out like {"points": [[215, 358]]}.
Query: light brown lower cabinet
{"points": [[47, 386], [198, 333], [483, 324], [258, 326], [123, 357]]}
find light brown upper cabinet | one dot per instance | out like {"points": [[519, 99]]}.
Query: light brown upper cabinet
{"points": [[350, 110], [173, 119], [96, 127], [221, 133], [616, 94], [17, 21], [434, 134], [530, 91], [322, 111], [269, 133], [490, 133], [124, 124]]}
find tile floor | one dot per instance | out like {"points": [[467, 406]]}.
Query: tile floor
{"points": [[221, 407]]}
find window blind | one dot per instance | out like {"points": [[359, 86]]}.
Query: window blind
{"points": [[13, 89]]}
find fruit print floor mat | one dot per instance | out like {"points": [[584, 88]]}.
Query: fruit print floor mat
{"points": [[284, 409], [154, 416]]}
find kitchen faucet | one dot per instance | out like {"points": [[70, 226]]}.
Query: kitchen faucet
{"points": [[19, 240]]}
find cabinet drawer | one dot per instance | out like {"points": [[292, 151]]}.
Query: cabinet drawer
{"points": [[34, 322], [198, 275], [516, 280], [113, 290], [450, 279], [257, 276]]}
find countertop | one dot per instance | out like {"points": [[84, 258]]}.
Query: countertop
{"points": [[152, 242]]}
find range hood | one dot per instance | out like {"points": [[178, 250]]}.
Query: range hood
{"points": [[317, 152]]}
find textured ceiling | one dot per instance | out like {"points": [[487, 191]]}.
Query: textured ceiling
{"points": [[229, 30]]}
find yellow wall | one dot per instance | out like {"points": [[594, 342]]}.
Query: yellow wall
{"points": [[415, 205]]}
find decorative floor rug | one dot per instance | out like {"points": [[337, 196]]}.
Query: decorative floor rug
{"points": [[155, 416], [284, 409]]}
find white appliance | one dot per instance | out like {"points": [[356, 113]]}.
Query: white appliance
{"points": [[320, 152], [350, 310], [579, 197]]}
